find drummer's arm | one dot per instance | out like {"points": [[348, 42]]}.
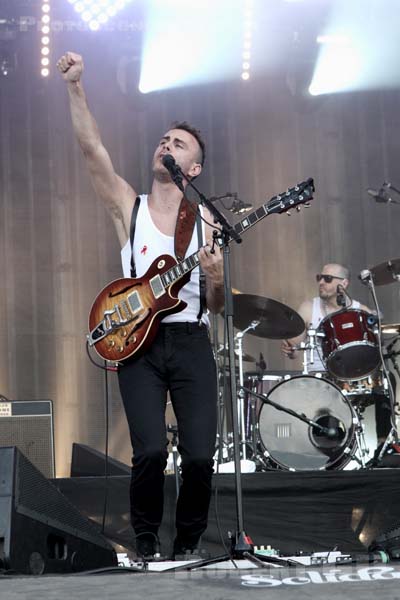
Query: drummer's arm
{"points": [[367, 309], [371, 311], [305, 311]]}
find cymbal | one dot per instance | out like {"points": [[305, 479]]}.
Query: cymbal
{"points": [[386, 272], [246, 357], [277, 321], [390, 328]]}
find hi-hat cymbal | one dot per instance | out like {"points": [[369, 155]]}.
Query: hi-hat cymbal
{"points": [[246, 357], [386, 272], [277, 321], [391, 328]]}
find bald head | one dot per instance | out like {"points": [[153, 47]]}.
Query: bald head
{"points": [[337, 270]]}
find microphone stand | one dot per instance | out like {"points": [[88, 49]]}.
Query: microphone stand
{"points": [[330, 432], [241, 543]]}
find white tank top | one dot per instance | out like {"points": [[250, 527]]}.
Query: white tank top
{"points": [[316, 318], [149, 244]]}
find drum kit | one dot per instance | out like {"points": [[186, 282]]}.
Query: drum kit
{"points": [[310, 420]]}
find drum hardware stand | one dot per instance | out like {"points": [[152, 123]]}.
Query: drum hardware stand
{"points": [[309, 345], [221, 404], [174, 443], [360, 439], [241, 396], [367, 278]]}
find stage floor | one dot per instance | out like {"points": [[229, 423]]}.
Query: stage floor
{"points": [[359, 582]]}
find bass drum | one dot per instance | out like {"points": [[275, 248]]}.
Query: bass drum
{"points": [[293, 444]]}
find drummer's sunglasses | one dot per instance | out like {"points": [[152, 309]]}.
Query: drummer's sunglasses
{"points": [[327, 278]]}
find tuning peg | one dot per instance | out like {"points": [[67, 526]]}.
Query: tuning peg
{"points": [[288, 213], [298, 208], [307, 204]]}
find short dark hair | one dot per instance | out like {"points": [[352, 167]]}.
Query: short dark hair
{"points": [[195, 133]]}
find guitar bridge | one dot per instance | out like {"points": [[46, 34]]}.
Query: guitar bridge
{"points": [[116, 317]]}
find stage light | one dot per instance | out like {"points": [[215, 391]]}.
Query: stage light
{"points": [[248, 10], [359, 48], [97, 12], [338, 68], [45, 39], [184, 45]]}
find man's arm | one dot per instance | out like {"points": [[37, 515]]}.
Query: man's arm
{"points": [[305, 311], [212, 265], [117, 195]]}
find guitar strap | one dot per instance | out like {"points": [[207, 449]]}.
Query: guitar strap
{"points": [[183, 234], [132, 233]]}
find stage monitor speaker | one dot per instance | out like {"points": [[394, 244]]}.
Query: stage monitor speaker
{"points": [[28, 424], [41, 531], [88, 462]]}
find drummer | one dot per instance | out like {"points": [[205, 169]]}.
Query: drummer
{"points": [[333, 282]]}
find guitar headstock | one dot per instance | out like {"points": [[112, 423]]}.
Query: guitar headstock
{"points": [[294, 197]]}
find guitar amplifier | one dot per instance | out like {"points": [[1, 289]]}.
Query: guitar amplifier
{"points": [[28, 424]]}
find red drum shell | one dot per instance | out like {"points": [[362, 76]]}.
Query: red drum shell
{"points": [[349, 345]]}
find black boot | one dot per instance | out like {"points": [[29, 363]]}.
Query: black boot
{"points": [[147, 546]]}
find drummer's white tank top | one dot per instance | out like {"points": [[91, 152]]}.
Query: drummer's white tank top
{"points": [[316, 318]]}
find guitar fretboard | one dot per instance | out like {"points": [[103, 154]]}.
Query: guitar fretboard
{"points": [[300, 194]]}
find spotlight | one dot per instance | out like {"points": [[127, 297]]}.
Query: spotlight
{"points": [[5, 67], [97, 12], [45, 39]]}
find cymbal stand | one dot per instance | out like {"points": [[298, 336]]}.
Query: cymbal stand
{"points": [[304, 347], [241, 416], [361, 444], [393, 434]]}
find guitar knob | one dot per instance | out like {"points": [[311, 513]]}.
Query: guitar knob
{"points": [[120, 348], [111, 343], [123, 333]]}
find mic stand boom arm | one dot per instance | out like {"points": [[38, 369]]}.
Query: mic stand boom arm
{"points": [[302, 417], [241, 543]]}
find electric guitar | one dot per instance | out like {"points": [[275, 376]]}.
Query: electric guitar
{"points": [[125, 316]]}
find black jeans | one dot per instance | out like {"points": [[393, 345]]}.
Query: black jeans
{"points": [[179, 360]]}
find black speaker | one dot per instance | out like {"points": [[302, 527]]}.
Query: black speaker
{"points": [[28, 424], [40, 530], [88, 462]]}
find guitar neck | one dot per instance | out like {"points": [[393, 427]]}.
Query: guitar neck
{"points": [[300, 194]]}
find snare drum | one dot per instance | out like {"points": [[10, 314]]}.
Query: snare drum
{"points": [[294, 445], [349, 345], [363, 392]]}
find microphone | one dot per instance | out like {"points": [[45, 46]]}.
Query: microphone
{"points": [[238, 206], [174, 170], [380, 195], [332, 432], [340, 297]]}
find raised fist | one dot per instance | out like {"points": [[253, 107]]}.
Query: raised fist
{"points": [[70, 66]]}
